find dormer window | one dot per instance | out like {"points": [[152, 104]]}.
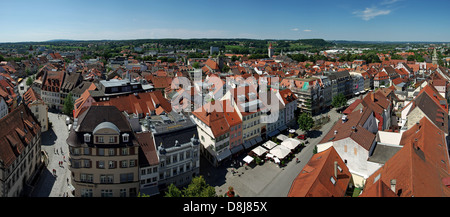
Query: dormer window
{"points": [[125, 137], [87, 137]]}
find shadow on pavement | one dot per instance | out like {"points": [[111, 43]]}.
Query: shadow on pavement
{"points": [[49, 137], [45, 184], [215, 176], [314, 133]]}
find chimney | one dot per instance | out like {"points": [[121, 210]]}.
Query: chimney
{"points": [[335, 169], [393, 184], [360, 110], [372, 97], [354, 129], [335, 132]]}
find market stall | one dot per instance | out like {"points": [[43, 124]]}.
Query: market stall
{"points": [[290, 143]]}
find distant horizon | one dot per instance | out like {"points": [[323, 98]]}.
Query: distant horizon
{"points": [[269, 39], [352, 20]]}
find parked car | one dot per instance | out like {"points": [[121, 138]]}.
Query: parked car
{"points": [[303, 137]]}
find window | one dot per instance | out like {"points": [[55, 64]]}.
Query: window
{"points": [[103, 179], [111, 152], [132, 164], [101, 164], [333, 180], [175, 158], [101, 152], [123, 192], [111, 164], [124, 151], [87, 164], [126, 177], [87, 138], [100, 139], [106, 193], [112, 139], [86, 192], [86, 151], [125, 137], [124, 163], [188, 154]]}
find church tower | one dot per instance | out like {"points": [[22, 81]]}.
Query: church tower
{"points": [[270, 51], [434, 58]]}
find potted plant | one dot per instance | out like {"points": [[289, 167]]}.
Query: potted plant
{"points": [[230, 192]]}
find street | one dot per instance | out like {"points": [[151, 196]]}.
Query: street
{"points": [[267, 180], [53, 142]]}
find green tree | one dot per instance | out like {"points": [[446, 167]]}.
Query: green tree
{"points": [[305, 122], [196, 65], [68, 105], [197, 188], [173, 191], [225, 68], [339, 101], [29, 81]]}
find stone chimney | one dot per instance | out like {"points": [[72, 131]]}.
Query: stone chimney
{"points": [[393, 184], [335, 169]]}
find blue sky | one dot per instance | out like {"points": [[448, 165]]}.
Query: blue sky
{"points": [[371, 20]]}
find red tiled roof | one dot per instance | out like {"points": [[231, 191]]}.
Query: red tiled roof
{"points": [[213, 116], [344, 130], [141, 104], [420, 166], [317, 177], [16, 134]]}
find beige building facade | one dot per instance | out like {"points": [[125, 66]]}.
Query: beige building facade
{"points": [[103, 155]]}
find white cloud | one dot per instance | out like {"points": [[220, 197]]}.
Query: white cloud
{"points": [[370, 13], [389, 2], [307, 30], [295, 29]]}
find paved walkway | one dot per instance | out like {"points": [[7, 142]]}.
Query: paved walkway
{"points": [[267, 180], [54, 140]]}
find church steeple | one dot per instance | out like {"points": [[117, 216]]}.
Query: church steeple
{"points": [[434, 59], [270, 50]]}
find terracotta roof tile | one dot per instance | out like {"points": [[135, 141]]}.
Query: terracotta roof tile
{"points": [[318, 178], [420, 166]]}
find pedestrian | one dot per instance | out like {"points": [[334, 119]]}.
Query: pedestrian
{"points": [[64, 158]]}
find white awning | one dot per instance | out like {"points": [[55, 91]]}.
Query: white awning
{"points": [[290, 143], [282, 137], [248, 159], [269, 144], [280, 151], [259, 150], [276, 160]]}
